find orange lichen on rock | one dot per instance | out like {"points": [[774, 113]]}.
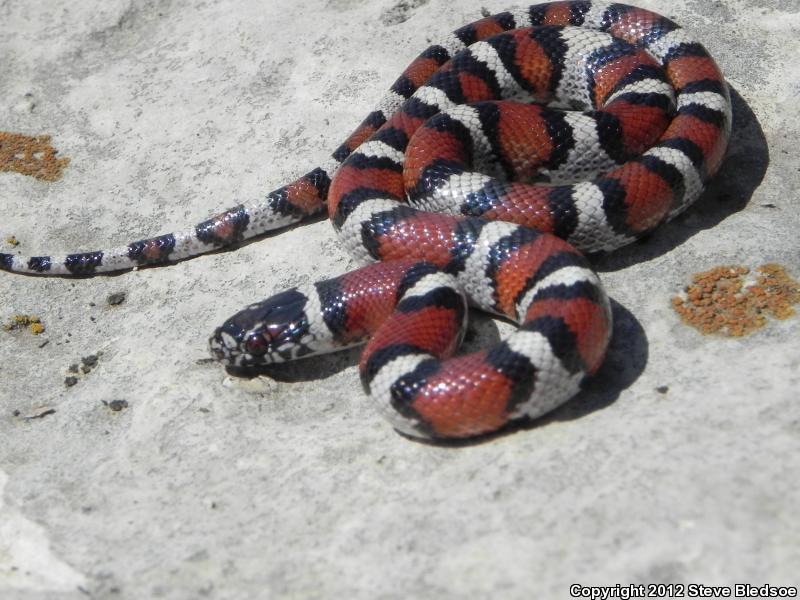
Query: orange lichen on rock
{"points": [[32, 156], [31, 322], [720, 301]]}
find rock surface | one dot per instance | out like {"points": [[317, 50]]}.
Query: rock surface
{"points": [[156, 475]]}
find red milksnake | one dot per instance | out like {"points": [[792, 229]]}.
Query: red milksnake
{"points": [[461, 191]]}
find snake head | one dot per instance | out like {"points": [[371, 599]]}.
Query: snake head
{"points": [[271, 331]]}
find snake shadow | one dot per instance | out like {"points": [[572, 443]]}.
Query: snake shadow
{"points": [[728, 192], [312, 368]]}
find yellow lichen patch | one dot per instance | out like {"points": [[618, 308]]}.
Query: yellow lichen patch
{"points": [[31, 322], [32, 156], [721, 301], [12, 241]]}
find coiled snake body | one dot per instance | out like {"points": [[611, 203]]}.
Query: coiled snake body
{"points": [[458, 190]]}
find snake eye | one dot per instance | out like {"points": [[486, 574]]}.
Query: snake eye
{"points": [[256, 345]]}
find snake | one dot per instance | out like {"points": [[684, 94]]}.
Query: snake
{"points": [[504, 152]]}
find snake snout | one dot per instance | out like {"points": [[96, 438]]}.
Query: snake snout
{"points": [[270, 331]]}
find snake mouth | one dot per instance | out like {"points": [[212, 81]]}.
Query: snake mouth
{"points": [[221, 348]]}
